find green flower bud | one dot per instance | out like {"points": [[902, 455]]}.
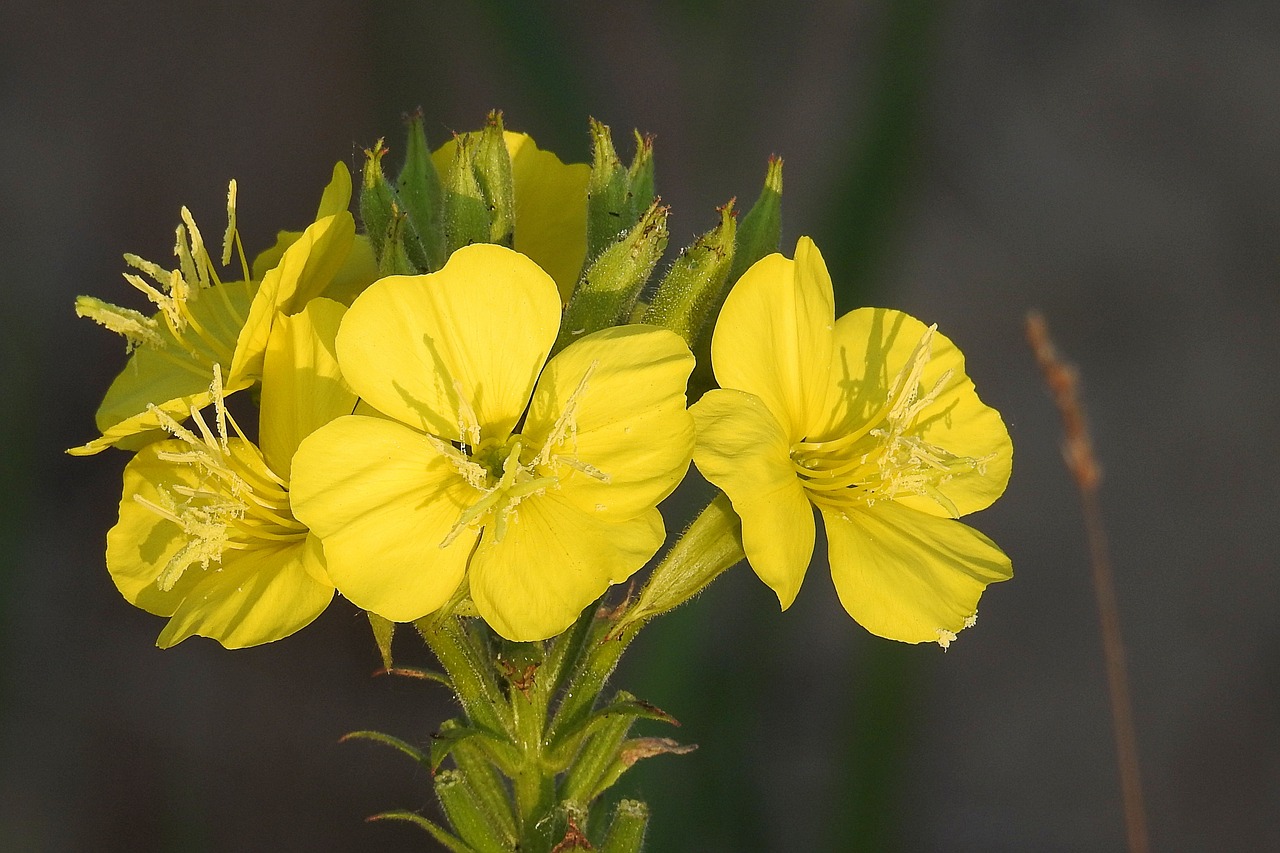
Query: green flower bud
{"points": [[393, 250], [606, 192], [377, 199], [492, 165], [421, 197], [694, 285], [640, 179], [608, 290], [466, 212], [467, 815], [761, 228]]}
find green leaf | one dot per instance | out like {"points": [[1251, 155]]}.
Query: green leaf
{"points": [[450, 841], [391, 741]]}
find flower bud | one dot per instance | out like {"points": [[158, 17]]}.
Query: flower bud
{"points": [[492, 166], [606, 192], [466, 213], [694, 285], [761, 228], [468, 816], [608, 290], [418, 187], [376, 198]]}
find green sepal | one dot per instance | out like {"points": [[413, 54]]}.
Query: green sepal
{"points": [[761, 228], [452, 733], [468, 816], [449, 840], [606, 191], [421, 195], [391, 741], [492, 165], [383, 631], [466, 213], [477, 764], [626, 830], [609, 288], [694, 285]]}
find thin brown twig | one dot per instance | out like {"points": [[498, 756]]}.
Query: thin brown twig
{"points": [[1064, 382]]}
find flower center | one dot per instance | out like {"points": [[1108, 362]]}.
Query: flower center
{"points": [[238, 503], [508, 472], [885, 456]]}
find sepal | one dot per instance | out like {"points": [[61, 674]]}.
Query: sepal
{"points": [[694, 286]]}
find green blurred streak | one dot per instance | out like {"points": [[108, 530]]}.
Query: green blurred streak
{"points": [[860, 234]]}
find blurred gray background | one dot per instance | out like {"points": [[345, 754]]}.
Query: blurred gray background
{"points": [[1112, 164]]}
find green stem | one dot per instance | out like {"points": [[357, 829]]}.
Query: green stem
{"points": [[469, 670]]}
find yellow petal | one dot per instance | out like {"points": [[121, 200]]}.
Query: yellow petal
{"points": [[553, 561], [481, 328], [743, 450], [302, 387], [773, 337], [141, 543], [382, 499], [551, 207], [305, 269], [627, 419], [872, 346], [257, 596], [908, 575], [337, 195]]}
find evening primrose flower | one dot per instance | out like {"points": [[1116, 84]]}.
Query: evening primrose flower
{"points": [[203, 322], [536, 484], [871, 420], [550, 206], [206, 534]]}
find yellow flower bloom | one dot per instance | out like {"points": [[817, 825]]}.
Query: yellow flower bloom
{"points": [[206, 534], [540, 497], [551, 207], [870, 419], [204, 322]]}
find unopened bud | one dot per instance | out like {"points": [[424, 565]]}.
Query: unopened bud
{"points": [[694, 285], [466, 213], [608, 289], [421, 196], [761, 228], [492, 165]]}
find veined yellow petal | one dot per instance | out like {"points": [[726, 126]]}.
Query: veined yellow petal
{"points": [[305, 269], [553, 561], [551, 207], [337, 194], [908, 575], [454, 351], [773, 337], [302, 386], [744, 451], [257, 596], [382, 498], [612, 406], [872, 348]]}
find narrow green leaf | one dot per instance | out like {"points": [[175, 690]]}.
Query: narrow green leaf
{"points": [[391, 741], [449, 840]]}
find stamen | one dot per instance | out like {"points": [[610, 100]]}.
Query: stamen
{"points": [[229, 235]]}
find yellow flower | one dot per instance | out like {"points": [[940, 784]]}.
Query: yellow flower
{"points": [[206, 534], [551, 207], [540, 497], [870, 419], [203, 322]]}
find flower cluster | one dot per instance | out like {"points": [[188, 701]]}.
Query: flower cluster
{"points": [[476, 404]]}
